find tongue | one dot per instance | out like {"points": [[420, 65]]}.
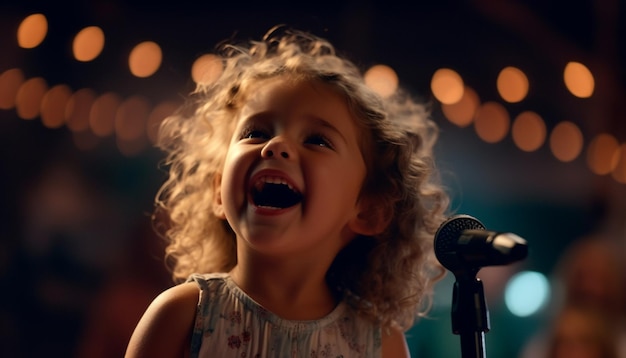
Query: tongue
{"points": [[276, 195]]}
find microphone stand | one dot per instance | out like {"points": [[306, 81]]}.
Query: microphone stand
{"points": [[470, 316], [463, 246]]}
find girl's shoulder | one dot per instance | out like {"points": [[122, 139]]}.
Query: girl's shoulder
{"points": [[165, 328]]}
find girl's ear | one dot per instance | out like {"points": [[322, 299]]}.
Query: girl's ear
{"points": [[372, 218], [218, 207]]}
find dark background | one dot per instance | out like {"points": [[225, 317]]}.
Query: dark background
{"points": [[77, 250]]}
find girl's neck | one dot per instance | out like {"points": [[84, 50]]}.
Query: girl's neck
{"points": [[291, 290]]}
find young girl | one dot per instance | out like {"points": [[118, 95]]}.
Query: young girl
{"points": [[301, 211]]}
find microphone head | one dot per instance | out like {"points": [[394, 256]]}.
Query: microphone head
{"points": [[446, 238]]}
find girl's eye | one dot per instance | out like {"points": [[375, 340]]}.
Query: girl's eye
{"points": [[319, 140], [253, 133]]}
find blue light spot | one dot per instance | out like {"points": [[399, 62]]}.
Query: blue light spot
{"points": [[526, 293]]}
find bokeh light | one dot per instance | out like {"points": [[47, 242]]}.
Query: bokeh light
{"points": [[382, 79], [29, 97], [462, 112], [88, 44], [78, 109], [32, 31], [102, 114], [619, 172], [528, 131], [53, 106], [578, 79], [10, 82], [145, 59], [603, 154], [206, 69], [447, 86], [158, 113], [566, 141], [131, 118], [492, 122], [526, 293], [512, 84]]}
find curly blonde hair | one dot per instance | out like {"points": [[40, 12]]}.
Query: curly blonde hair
{"points": [[388, 277]]}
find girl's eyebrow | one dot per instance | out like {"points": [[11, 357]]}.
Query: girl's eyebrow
{"points": [[319, 121], [258, 117]]}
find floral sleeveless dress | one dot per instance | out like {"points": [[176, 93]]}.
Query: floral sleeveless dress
{"points": [[229, 323]]}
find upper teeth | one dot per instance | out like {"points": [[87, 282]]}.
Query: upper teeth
{"points": [[273, 180]]}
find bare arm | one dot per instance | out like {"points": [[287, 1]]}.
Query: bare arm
{"points": [[394, 344], [165, 328]]}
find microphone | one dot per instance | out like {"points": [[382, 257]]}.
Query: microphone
{"points": [[462, 242]]}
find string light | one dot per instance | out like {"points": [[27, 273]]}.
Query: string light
{"points": [[382, 79], [512, 84], [88, 44], [32, 31], [90, 116], [529, 131]]}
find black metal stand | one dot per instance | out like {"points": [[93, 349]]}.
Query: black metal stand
{"points": [[470, 316], [463, 246]]}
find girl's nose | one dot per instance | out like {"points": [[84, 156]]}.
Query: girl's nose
{"points": [[270, 153], [278, 147]]}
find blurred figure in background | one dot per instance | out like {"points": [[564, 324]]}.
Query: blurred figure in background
{"points": [[71, 223], [125, 295], [590, 276], [70, 233], [580, 331]]}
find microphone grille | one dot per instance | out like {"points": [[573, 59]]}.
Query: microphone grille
{"points": [[447, 235]]}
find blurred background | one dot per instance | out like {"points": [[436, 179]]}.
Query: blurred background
{"points": [[530, 97]]}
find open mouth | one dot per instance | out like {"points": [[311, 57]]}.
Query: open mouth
{"points": [[274, 192]]}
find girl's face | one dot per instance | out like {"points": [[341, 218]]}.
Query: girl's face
{"points": [[293, 172]]}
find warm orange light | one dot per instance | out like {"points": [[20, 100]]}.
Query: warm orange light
{"points": [[566, 141], [78, 109], [462, 112], [130, 126], [512, 84], [158, 114], [88, 43], [10, 82], [382, 79], [29, 96], [102, 114], [206, 69], [603, 154], [447, 86], [32, 31], [619, 172], [53, 106], [145, 59], [492, 122], [131, 118], [528, 131], [578, 79]]}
